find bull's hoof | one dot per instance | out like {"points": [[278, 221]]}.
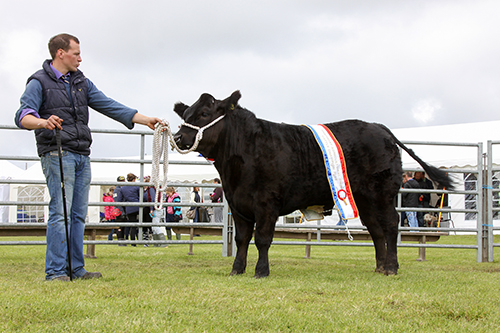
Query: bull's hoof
{"points": [[380, 270], [391, 272], [260, 276], [234, 272]]}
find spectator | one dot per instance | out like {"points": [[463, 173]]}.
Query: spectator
{"points": [[131, 194], [58, 97], [411, 200], [406, 176], [425, 198], [109, 211], [121, 216], [217, 196], [195, 197], [174, 213], [148, 212]]}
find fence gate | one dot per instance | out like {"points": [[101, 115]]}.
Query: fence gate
{"points": [[491, 193]]}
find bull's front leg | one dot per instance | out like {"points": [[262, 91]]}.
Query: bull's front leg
{"points": [[244, 231], [264, 233]]}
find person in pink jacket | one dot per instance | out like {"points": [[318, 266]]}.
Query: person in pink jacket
{"points": [[109, 211]]}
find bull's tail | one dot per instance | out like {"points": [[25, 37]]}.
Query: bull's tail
{"points": [[438, 175]]}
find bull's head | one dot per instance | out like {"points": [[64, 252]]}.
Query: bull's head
{"points": [[203, 118]]}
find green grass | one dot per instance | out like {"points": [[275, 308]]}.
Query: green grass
{"points": [[165, 290]]}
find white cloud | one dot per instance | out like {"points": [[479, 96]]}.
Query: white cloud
{"points": [[425, 110]]}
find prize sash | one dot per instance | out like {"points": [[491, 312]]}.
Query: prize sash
{"points": [[336, 171]]}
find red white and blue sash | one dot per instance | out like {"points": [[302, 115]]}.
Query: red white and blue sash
{"points": [[336, 171]]}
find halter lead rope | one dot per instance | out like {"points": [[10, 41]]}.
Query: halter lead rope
{"points": [[160, 147]]}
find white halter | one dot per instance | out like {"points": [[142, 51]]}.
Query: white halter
{"points": [[160, 147]]}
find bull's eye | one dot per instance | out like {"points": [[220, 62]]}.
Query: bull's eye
{"points": [[204, 114]]}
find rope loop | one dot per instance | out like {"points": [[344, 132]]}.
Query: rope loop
{"points": [[162, 134]]}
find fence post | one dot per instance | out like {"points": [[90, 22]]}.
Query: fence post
{"points": [[227, 232], [480, 202], [488, 206]]}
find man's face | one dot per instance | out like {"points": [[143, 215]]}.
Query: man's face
{"points": [[71, 59]]}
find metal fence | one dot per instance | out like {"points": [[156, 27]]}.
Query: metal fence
{"points": [[226, 225], [482, 195], [489, 193]]}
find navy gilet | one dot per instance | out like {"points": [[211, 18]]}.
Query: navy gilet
{"points": [[75, 136]]}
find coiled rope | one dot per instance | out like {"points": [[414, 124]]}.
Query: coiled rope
{"points": [[162, 134]]}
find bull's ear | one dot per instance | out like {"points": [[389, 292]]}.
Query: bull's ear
{"points": [[179, 108], [231, 102]]}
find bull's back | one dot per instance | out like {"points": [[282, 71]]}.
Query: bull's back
{"points": [[372, 157]]}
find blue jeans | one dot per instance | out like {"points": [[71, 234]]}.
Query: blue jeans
{"points": [[412, 219], [77, 178]]}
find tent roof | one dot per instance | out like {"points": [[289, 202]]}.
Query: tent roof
{"points": [[176, 172], [8, 169], [110, 171], [449, 156]]}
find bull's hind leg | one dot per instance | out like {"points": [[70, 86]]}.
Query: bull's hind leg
{"points": [[383, 227], [378, 238], [390, 227], [368, 214], [243, 236]]}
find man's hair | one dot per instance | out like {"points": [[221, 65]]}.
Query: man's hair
{"points": [[60, 41], [217, 180], [409, 174], [131, 177]]}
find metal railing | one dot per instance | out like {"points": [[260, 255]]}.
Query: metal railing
{"points": [[226, 225], [483, 210]]}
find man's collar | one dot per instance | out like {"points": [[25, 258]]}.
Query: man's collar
{"points": [[56, 72]]}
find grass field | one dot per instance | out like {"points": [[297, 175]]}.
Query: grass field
{"points": [[165, 290]]}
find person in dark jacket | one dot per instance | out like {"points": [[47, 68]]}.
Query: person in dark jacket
{"points": [[148, 212], [58, 97], [425, 198], [217, 196], [122, 217], [195, 197], [411, 200], [131, 194]]}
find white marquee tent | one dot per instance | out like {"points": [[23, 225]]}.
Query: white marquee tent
{"points": [[446, 156], [108, 172]]}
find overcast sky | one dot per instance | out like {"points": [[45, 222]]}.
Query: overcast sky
{"points": [[401, 63]]}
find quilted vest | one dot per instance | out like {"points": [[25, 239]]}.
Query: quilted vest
{"points": [[75, 136]]}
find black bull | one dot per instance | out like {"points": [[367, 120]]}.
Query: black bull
{"points": [[269, 169]]}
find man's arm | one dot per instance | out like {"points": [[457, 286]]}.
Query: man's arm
{"points": [[117, 111], [31, 100]]}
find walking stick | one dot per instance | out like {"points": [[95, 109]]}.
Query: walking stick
{"points": [[59, 151]]}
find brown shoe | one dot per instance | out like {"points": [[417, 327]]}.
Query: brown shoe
{"points": [[91, 275], [61, 278]]}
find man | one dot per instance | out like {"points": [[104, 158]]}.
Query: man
{"points": [[411, 200], [58, 97], [406, 177], [217, 196], [425, 198]]}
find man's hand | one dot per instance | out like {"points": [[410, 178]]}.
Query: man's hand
{"points": [[31, 122], [145, 120]]}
